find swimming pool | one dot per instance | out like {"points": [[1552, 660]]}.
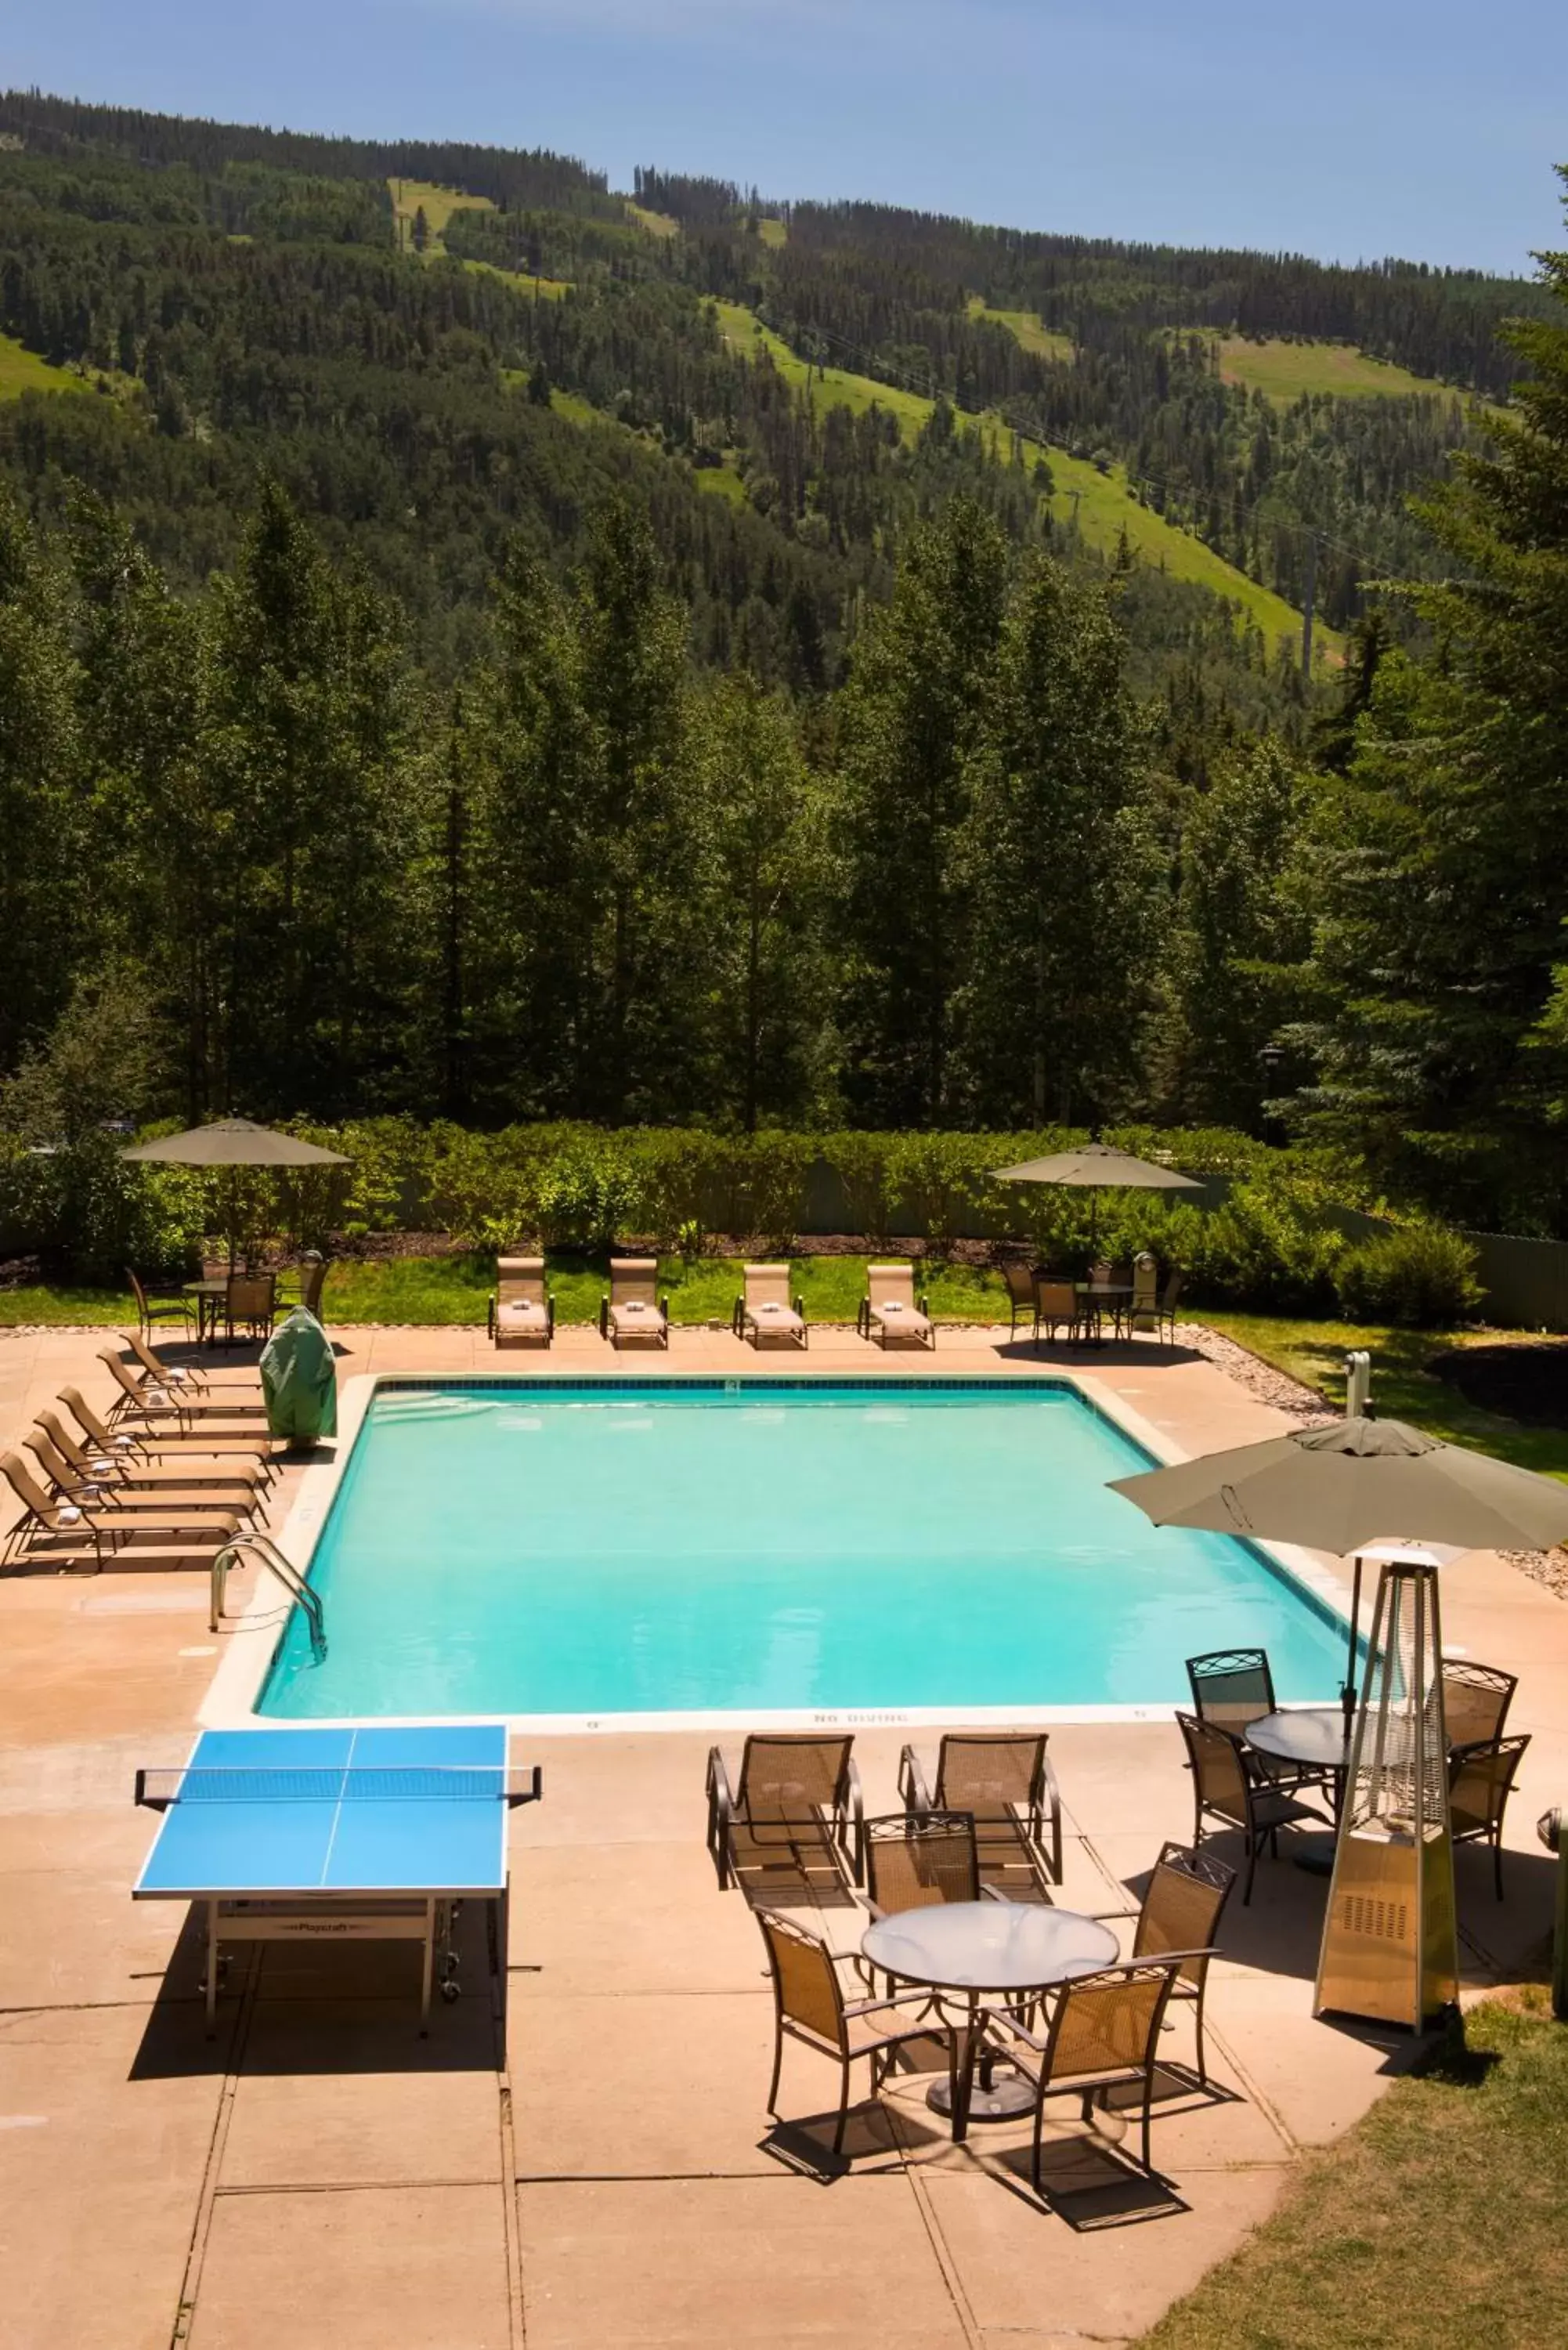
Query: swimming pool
{"points": [[698, 1547]]}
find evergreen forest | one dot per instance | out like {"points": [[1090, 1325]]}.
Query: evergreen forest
{"points": [[477, 644]]}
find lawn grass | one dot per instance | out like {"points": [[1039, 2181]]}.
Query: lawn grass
{"points": [[1025, 328], [1435, 2224], [1286, 370], [773, 232], [23, 370], [1402, 1387], [1101, 504], [409, 196], [722, 481]]}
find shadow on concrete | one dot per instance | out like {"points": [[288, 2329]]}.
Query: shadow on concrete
{"points": [[287, 2008]]}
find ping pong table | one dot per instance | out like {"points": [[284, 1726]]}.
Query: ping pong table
{"points": [[338, 1836]]}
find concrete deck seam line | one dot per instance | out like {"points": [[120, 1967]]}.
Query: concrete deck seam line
{"points": [[217, 2145], [263, 2186], [942, 2251], [511, 2221]]}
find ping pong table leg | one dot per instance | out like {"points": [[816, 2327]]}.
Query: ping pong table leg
{"points": [[429, 1968], [212, 1968]]}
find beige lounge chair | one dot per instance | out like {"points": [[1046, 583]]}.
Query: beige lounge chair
{"points": [[167, 1440], [890, 1309], [1003, 1779], [193, 1504], [81, 1535], [239, 1482], [634, 1314], [765, 1309], [239, 1384], [791, 1826], [244, 1413], [522, 1310]]}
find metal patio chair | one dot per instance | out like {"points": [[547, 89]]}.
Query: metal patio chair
{"points": [[809, 2006], [1481, 1781], [1187, 1891], [1224, 1790]]}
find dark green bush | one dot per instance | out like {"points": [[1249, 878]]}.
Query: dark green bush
{"points": [[1421, 1276]]}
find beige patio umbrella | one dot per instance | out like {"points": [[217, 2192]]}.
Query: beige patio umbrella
{"points": [[1095, 1167], [233, 1143]]}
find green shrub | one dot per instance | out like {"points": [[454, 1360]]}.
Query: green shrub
{"points": [[1420, 1276]]}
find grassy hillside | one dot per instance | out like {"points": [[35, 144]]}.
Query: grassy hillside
{"points": [[1025, 328], [1285, 371], [656, 224], [773, 233], [438, 204], [23, 370], [541, 289], [1099, 504]]}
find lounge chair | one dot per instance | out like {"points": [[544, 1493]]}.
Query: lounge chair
{"points": [[809, 2006], [1058, 1304], [1181, 1912], [890, 1308], [1481, 1781], [915, 1860], [522, 1310], [81, 1535], [634, 1314], [207, 1407], [1104, 2034], [160, 1305], [116, 1466], [1225, 1790], [793, 1818], [1004, 1782], [1476, 1699], [166, 1439], [108, 1492], [765, 1309], [239, 1383]]}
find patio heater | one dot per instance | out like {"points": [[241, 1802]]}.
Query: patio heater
{"points": [[1390, 1939]]}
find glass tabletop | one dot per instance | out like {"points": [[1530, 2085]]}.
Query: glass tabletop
{"points": [[1314, 1733], [989, 1945]]}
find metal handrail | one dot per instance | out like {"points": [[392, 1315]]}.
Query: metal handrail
{"points": [[287, 1574]]}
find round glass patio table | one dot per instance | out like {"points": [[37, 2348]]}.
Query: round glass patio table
{"points": [[1316, 1737], [972, 1951]]}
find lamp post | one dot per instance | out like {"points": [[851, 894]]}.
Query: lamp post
{"points": [[1269, 1063]]}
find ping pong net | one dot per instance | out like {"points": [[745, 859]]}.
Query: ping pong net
{"points": [[438, 1782]]}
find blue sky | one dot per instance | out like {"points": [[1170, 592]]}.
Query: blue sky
{"points": [[1346, 130]]}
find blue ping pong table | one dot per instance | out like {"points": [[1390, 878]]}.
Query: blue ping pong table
{"points": [[338, 1836]]}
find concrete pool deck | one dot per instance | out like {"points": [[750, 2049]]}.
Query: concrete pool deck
{"points": [[319, 2175]]}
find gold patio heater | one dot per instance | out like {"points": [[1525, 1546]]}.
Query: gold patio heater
{"points": [[1389, 1941]]}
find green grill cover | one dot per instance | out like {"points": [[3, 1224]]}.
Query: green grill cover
{"points": [[299, 1381]]}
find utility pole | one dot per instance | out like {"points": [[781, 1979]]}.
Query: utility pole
{"points": [[1307, 601]]}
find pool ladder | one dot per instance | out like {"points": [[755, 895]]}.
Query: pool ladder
{"points": [[288, 1574]]}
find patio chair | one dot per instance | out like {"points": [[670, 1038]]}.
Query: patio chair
{"points": [[1223, 1789], [241, 1414], [764, 1308], [1481, 1781], [312, 1281], [915, 1860], [634, 1314], [522, 1310], [1180, 1910], [809, 2006], [168, 1439], [250, 1305], [1234, 1688], [1476, 1699], [115, 1465], [1143, 1307], [1004, 1782], [890, 1308], [160, 1304], [110, 1491], [74, 1535], [1170, 1298], [1021, 1302], [1104, 2034], [793, 1813], [1057, 1302]]}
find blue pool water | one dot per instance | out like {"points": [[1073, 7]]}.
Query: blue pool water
{"points": [[595, 1550]]}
